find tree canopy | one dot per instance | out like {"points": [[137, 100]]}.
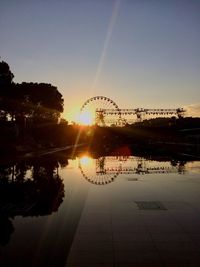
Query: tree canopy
{"points": [[35, 102], [6, 76]]}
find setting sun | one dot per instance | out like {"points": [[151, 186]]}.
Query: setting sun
{"points": [[86, 118]]}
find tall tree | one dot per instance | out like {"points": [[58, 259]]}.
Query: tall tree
{"points": [[40, 101], [6, 76], [6, 84], [35, 102]]}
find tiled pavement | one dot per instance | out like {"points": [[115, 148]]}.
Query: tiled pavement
{"points": [[123, 235]]}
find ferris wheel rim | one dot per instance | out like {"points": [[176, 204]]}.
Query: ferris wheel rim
{"points": [[99, 98], [99, 106], [93, 180]]}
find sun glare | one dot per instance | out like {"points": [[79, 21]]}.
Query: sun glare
{"points": [[82, 118], [86, 118]]}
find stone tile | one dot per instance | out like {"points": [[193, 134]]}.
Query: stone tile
{"points": [[134, 246], [124, 210], [137, 264], [195, 236], [156, 219], [79, 264], [169, 237], [173, 257], [84, 253], [97, 204], [95, 220], [126, 220], [191, 228], [125, 215], [90, 258], [150, 205], [179, 264], [94, 225], [132, 228], [192, 231], [178, 205], [99, 207], [95, 214], [94, 237], [103, 265], [164, 228], [176, 246], [196, 240], [92, 246], [186, 218], [137, 257], [131, 237], [86, 231], [124, 206], [129, 223], [162, 214]]}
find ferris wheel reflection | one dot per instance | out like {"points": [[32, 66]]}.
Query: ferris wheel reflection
{"points": [[104, 170]]}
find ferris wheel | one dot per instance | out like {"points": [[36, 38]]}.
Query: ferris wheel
{"points": [[94, 111]]}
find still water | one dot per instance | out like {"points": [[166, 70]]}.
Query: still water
{"points": [[108, 211]]}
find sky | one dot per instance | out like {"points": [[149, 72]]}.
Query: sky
{"points": [[139, 53]]}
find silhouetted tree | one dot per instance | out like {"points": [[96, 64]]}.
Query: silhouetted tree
{"points": [[34, 102], [6, 86], [39, 102], [6, 76]]}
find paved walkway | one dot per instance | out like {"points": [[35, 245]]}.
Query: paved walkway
{"points": [[120, 230]]}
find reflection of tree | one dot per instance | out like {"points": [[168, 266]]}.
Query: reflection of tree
{"points": [[5, 172], [20, 170], [6, 229], [32, 188]]}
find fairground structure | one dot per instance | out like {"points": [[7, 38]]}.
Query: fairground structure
{"points": [[106, 112]]}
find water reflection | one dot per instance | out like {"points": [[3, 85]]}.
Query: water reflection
{"points": [[104, 170], [29, 188], [36, 187]]}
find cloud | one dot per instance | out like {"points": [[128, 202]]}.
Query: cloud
{"points": [[192, 110]]}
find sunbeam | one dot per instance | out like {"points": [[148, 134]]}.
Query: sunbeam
{"points": [[113, 19]]}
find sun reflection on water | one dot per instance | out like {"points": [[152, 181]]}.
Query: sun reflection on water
{"points": [[86, 160]]}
